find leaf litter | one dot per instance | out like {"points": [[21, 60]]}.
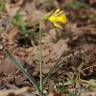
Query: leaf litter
{"points": [[78, 39]]}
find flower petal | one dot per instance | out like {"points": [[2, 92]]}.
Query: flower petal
{"points": [[56, 11], [62, 19], [57, 25], [58, 17]]}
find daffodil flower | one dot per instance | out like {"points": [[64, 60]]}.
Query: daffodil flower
{"points": [[58, 17]]}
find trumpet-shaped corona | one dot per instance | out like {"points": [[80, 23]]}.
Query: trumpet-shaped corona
{"points": [[58, 17]]}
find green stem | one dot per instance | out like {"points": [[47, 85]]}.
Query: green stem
{"points": [[40, 56]]}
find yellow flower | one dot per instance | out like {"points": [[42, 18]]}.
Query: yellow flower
{"points": [[58, 17]]}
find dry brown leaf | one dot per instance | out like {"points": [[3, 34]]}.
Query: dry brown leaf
{"points": [[12, 8], [16, 92], [54, 94], [92, 1]]}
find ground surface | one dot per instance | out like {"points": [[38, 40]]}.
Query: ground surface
{"points": [[77, 38]]}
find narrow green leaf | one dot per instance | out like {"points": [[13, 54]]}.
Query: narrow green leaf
{"points": [[19, 66], [2, 5], [53, 68], [18, 21], [76, 5]]}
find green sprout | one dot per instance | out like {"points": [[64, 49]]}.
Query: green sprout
{"points": [[76, 5], [18, 21], [2, 5]]}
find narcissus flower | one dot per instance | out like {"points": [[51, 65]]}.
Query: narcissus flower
{"points": [[57, 18]]}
